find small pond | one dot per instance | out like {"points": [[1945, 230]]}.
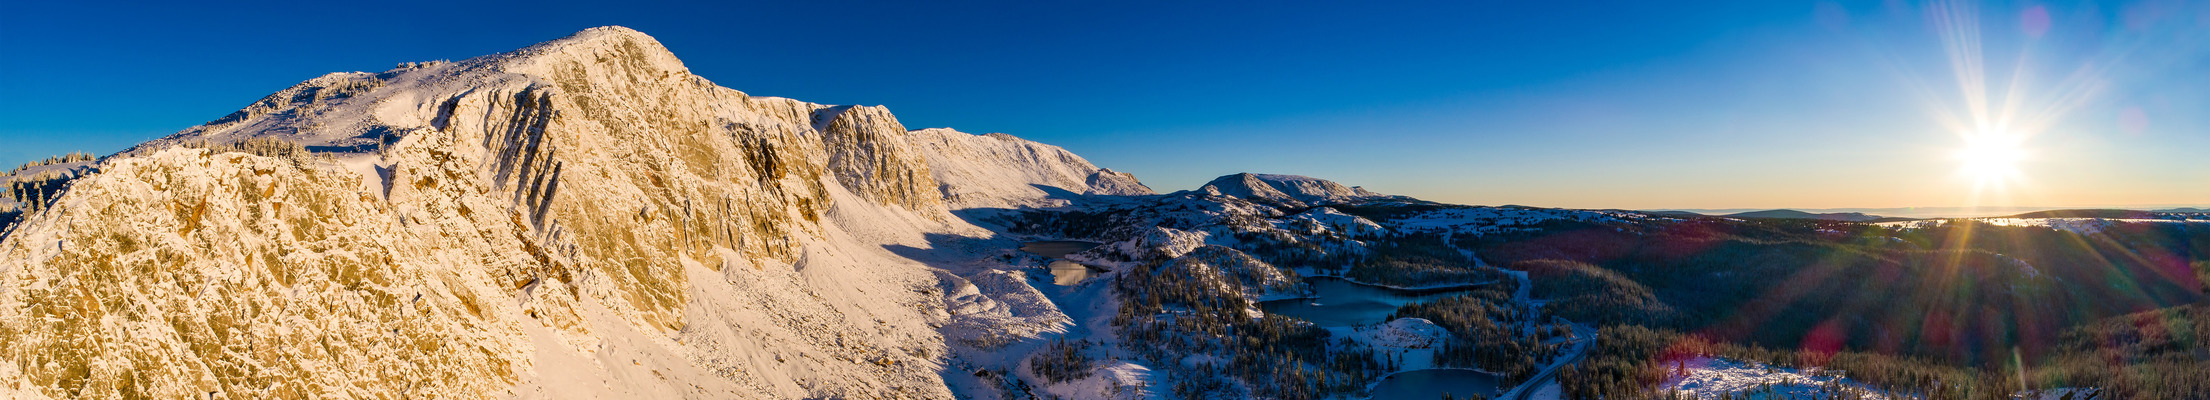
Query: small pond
{"points": [[1340, 302], [1057, 248], [1063, 272], [1432, 383]]}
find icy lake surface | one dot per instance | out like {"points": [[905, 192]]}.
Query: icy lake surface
{"points": [[1063, 272], [1340, 302], [1432, 383]]}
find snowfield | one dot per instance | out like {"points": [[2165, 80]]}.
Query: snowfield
{"points": [[1708, 377]]}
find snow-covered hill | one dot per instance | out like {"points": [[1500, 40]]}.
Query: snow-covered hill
{"points": [[1286, 190], [31, 187], [1709, 378]]}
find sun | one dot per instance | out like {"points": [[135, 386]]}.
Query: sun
{"points": [[1990, 157]]}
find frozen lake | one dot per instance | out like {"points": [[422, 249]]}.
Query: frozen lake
{"points": [[1063, 272], [1340, 302], [1433, 383]]}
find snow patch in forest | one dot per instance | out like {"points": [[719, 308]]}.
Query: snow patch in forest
{"points": [[1708, 377]]}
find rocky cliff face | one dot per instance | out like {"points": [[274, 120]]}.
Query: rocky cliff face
{"points": [[579, 218]]}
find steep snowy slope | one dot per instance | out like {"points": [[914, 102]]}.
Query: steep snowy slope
{"points": [[581, 218], [999, 170]]}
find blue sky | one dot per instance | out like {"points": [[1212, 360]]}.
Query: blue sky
{"points": [[1753, 104]]}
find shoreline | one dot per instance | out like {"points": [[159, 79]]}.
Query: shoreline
{"points": [[1443, 287]]}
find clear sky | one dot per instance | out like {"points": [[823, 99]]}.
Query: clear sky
{"points": [[1750, 104]]}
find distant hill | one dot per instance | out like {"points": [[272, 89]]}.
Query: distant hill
{"points": [[1669, 213], [1289, 190], [2185, 210], [1793, 214], [2112, 214]]}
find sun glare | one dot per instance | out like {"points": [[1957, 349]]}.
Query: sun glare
{"points": [[1997, 108], [1990, 157]]}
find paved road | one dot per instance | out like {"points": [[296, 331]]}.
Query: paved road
{"points": [[1586, 336]]}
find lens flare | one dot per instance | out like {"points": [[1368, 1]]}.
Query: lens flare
{"points": [[1990, 158], [1997, 109]]}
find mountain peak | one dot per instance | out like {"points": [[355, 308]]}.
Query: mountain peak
{"points": [[356, 112], [610, 35], [614, 45], [610, 30]]}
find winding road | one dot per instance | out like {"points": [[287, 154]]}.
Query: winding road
{"points": [[1583, 336]]}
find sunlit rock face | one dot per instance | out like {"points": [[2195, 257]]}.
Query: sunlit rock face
{"points": [[183, 273], [580, 218]]}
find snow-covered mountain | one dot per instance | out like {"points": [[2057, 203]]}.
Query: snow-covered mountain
{"points": [[582, 218], [1289, 190]]}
